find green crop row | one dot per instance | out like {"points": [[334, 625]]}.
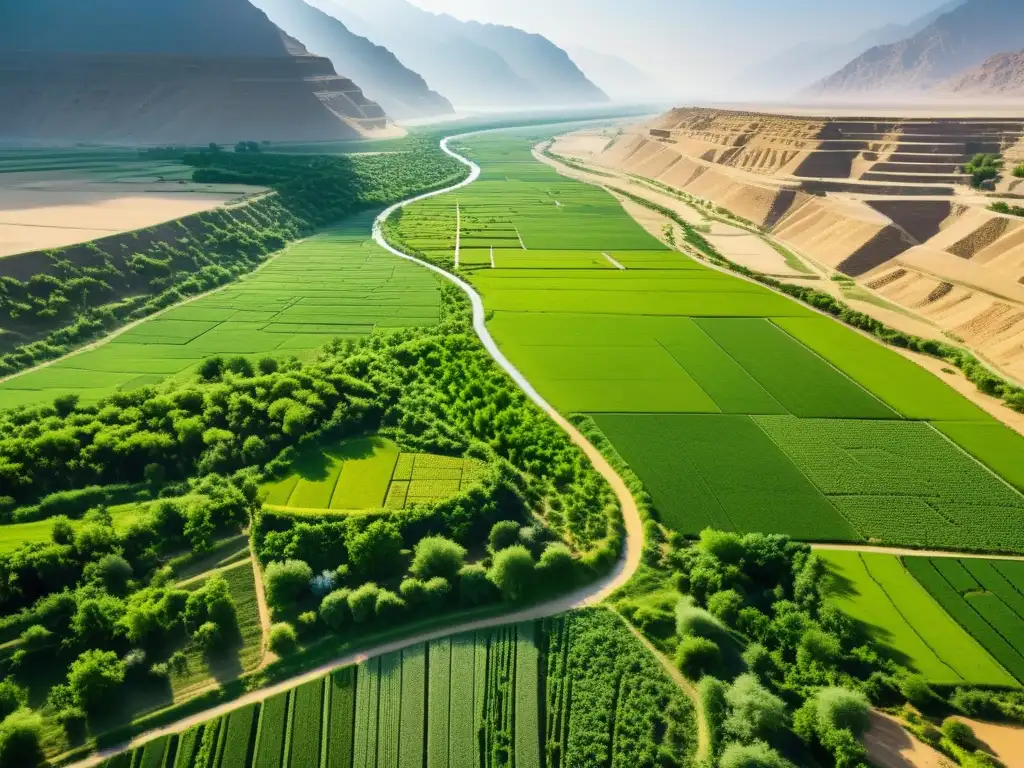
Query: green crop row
{"points": [[389, 711], [272, 729], [438, 701], [462, 737], [341, 688], [414, 691], [306, 724], [527, 728]]}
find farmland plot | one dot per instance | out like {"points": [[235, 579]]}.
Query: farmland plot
{"points": [[335, 284], [986, 597]]}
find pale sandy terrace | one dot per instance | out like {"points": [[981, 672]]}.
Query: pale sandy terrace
{"points": [[52, 209]]}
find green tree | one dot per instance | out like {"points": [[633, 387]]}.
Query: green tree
{"points": [[503, 535], [756, 755], [94, 677], [21, 736], [12, 697], [436, 556], [698, 656], [334, 610], [512, 572], [283, 641], [756, 713], [362, 602], [287, 583], [376, 551]]}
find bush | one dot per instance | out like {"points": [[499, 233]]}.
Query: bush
{"points": [[36, 638], [512, 572], [283, 641], [958, 732], [716, 708], [435, 593], [376, 552], [388, 606], [362, 602], [818, 648], [725, 606], [975, 703], [504, 534], [756, 755], [692, 620], [12, 697], [413, 591], [21, 740], [698, 656], [725, 546], [759, 661], [842, 709], [286, 583], [755, 711], [436, 556], [112, 572], [94, 676], [557, 567], [208, 637], [334, 609], [474, 586], [916, 690]]}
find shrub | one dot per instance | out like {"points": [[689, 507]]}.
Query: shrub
{"points": [[716, 708], [692, 620], [208, 636], [916, 690], [388, 605], [362, 602], [756, 755], [413, 591], [435, 593], [306, 620], [725, 606], [698, 656], [12, 697], [283, 641], [755, 711], [474, 586], [21, 740], [759, 661], [958, 732], [286, 583], [818, 647], [975, 703], [512, 572], [557, 567], [504, 534], [36, 638], [112, 572], [437, 556], [376, 552], [334, 609], [723, 545], [94, 676], [842, 709]]}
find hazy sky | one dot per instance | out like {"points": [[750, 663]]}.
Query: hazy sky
{"points": [[662, 36]]}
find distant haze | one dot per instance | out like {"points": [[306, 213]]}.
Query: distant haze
{"points": [[691, 48]]}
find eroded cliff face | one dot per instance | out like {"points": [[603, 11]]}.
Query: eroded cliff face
{"points": [[1001, 76], [882, 200], [127, 72]]}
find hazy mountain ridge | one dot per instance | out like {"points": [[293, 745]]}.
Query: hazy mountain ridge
{"points": [[956, 41], [620, 79], [169, 71], [796, 68], [402, 92], [472, 64], [1000, 75]]}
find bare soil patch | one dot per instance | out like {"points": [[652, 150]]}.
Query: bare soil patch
{"points": [[890, 746]]}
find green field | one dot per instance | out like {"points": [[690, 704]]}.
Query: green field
{"points": [[15, 535], [669, 356], [879, 593], [468, 700], [366, 474], [986, 597], [335, 284]]}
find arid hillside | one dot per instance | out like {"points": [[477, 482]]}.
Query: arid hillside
{"points": [[168, 72], [1002, 75], [881, 200]]}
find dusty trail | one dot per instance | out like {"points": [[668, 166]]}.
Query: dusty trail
{"points": [[589, 595]]}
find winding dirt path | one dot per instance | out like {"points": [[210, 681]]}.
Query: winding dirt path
{"points": [[590, 595]]}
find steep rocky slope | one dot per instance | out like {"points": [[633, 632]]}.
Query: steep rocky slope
{"points": [[399, 90], [474, 65], [956, 41], [1001, 75], [167, 71]]}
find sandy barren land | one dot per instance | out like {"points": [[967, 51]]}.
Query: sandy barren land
{"points": [[53, 209], [881, 199]]}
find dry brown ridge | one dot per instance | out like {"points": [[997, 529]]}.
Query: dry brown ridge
{"points": [[882, 200]]}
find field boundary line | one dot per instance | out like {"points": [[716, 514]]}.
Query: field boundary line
{"points": [[974, 458], [614, 263], [458, 232]]}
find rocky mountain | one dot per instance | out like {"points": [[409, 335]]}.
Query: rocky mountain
{"points": [[168, 71], [796, 68], [474, 65], [399, 90], [621, 80], [1000, 75], [958, 40]]}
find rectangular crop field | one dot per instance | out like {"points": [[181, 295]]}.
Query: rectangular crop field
{"points": [[273, 726], [241, 727], [722, 472], [527, 744], [996, 446], [877, 591], [439, 701], [367, 705], [908, 388], [985, 598], [414, 692], [341, 692], [804, 383], [306, 724], [902, 482]]}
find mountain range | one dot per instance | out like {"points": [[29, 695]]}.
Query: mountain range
{"points": [[956, 41], [474, 65], [1001, 75], [400, 91]]}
